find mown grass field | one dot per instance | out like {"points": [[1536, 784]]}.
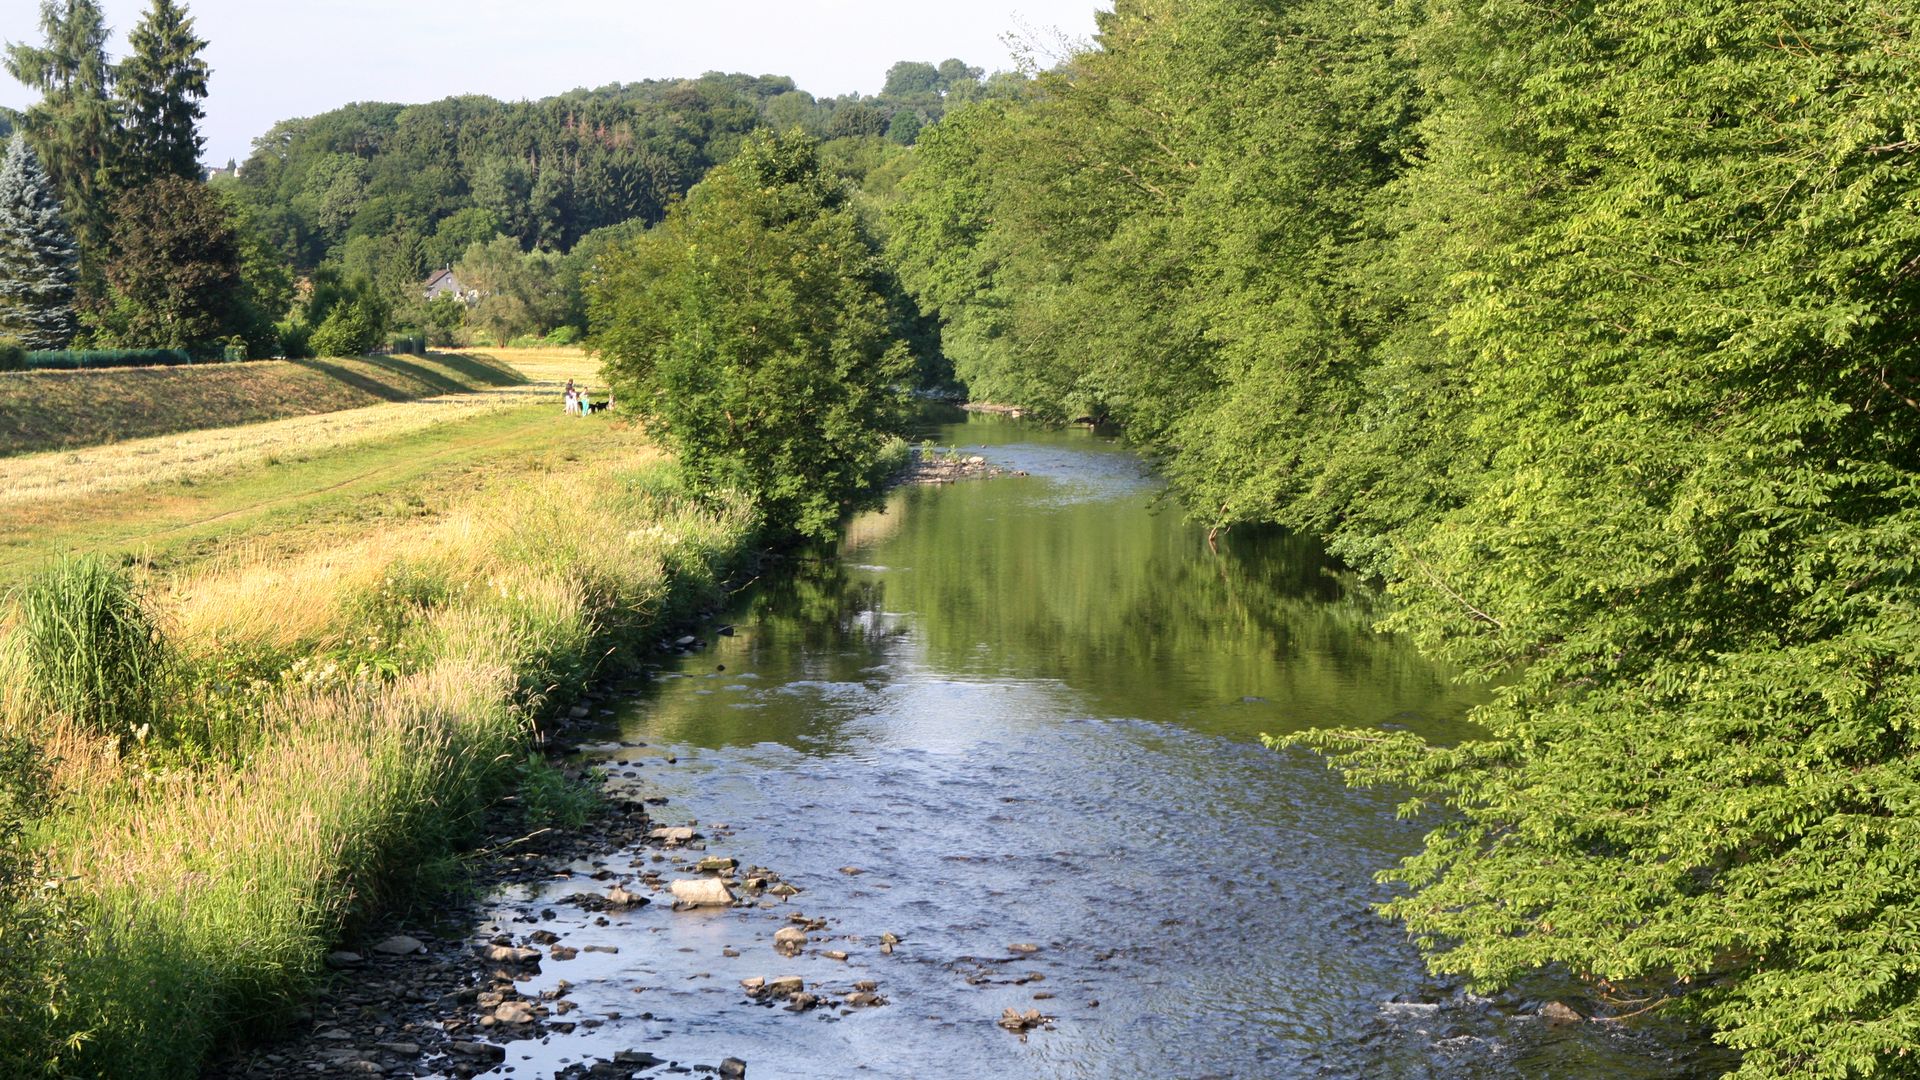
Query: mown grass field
{"points": [[342, 656], [58, 410]]}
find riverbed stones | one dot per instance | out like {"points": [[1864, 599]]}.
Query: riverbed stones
{"points": [[1560, 1014], [478, 1050], [342, 959], [679, 834], [716, 865], [701, 892], [400, 945], [618, 898], [789, 940], [513, 1012], [1022, 1022], [509, 955], [733, 1069]]}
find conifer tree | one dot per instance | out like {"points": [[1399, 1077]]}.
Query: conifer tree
{"points": [[161, 85], [74, 127], [37, 254]]}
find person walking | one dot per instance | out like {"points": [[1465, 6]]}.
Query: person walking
{"points": [[572, 399]]}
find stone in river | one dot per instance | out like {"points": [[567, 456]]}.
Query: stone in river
{"points": [[483, 1051], [733, 1069], [1559, 1014], [785, 985], [344, 959], [702, 892], [619, 897], [834, 954], [1023, 950], [716, 864], [507, 954], [400, 945], [513, 1012], [676, 835], [789, 940]]}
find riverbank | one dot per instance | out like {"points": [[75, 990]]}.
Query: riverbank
{"points": [[335, 723]]}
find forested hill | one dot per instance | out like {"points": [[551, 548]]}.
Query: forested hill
{"points": [[372, 183]]}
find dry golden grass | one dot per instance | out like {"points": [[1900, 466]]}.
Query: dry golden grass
{"points": [[90, 473]]}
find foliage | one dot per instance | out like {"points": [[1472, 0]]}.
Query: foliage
{"points": [[34, 910], [353, 327], [1589, 329], [159, 87], [549, 798], [12, 357], [175, 267], [519, 291], [37, 255], [92, 654], [753, 332], [74, 127]]}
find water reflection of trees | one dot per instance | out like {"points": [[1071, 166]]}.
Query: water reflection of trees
{"points": [[1134, 611]]}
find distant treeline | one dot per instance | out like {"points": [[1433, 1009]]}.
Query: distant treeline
{"points": [[1590, 328]]}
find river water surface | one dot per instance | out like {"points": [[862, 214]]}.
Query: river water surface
{"points": [[1028, 711]]}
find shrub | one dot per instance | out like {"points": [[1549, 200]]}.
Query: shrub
{"points": [[91, 651], [12, 357], [32, 912], [563, 336], [296, 338], [350, 329]]}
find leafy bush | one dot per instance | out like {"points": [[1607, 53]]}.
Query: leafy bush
{"points": [[563, 336], [549, 797], [32, 911], [408, 345], [296, 338], [350, 329], [74, 359], [91, 651], [12, 357]]}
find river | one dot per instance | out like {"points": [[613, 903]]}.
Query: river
{"points": [[1028, 712]]}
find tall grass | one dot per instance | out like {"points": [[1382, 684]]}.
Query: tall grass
{"points": [[91, 652], [370, 704]]}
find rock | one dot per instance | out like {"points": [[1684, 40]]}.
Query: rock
{"points": [[543, 937], [480, 1050], [789, 940], [865, 999], [733, 1069], [404, 1049], [638, 1059], [619, 897], [753, 984], [343, 959], [514, 1012], [507, 954], [851, 871], [687, 641], [611, 949], [716, 865], [400, 945], [784, 890], [1022, 1022], [579, 712], [702, 892], [1023, 950], [675, 835], [834, 954], [785, 986], [1559, 1014], [563, 952]]}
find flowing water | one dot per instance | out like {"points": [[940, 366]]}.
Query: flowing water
{"points": [[1028, 711]]}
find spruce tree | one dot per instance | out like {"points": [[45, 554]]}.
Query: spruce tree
{"points": [[37, 255], [161, 85], [74, 127]]}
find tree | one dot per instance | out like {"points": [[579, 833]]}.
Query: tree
{"points": [[37, 255], [74, 125], [519, 291], [160, 86], [910, 77], [175, 266], [752, 332]]}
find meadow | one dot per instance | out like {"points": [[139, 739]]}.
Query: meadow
{"points": [[213, 762]]}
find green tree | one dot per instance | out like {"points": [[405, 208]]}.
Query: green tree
{"points": [[520, 292], [160, 86], [37, 255], [752, 332], [74, 127], [175, 267]]}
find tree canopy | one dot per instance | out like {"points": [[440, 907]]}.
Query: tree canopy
{"points": [[753, 331]]}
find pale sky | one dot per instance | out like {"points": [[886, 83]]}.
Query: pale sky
{"points": [[273, 60]]}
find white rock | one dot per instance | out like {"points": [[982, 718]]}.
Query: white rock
{"points": [[702, 892]]}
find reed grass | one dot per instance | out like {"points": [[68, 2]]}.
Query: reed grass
{"points": [[339, 723]]}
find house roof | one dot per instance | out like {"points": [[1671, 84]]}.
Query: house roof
{"points": [[438, 276]]}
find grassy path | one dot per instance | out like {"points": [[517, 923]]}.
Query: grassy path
{"points": [[319, 479]]}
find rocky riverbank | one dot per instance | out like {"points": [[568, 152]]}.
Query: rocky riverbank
{"points": [[433, 997], [950, 466]]}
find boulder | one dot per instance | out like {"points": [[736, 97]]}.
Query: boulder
{"points": [[702, 892], [400, 945]]}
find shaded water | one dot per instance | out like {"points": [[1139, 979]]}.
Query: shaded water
{"points": [[1028, 711]]}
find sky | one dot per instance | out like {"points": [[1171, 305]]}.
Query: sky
{"points": [[273, 59]]}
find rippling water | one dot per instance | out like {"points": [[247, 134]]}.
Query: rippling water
{"points": [[1027, 710]]}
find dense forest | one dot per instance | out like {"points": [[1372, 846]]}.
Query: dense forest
{"points": [[1590, 330], [340, 218]]}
